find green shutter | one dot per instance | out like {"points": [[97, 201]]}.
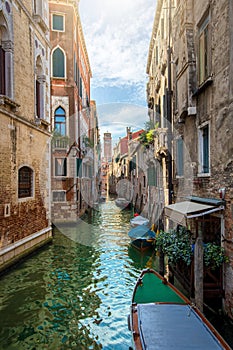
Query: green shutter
{"points": [[58, 22], [79, 167], [151, 176], [58, 63], [180, 157]]}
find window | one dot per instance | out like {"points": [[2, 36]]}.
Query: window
{"points": [[152, 176], [60, 167], [156, 55], [59, 196], [58, 61], [204, 51], [6, 56], [180, 157], [60, 121], [204, 159], [79, 167], [2, 71], [25, 182], [40, 89], [162, 28], [58, 22]]}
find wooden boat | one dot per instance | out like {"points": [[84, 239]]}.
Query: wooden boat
{"points": [[122, 203], [142, 237], [163, 318]]}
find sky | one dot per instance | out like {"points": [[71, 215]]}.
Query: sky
{"points": [[117, 35]]}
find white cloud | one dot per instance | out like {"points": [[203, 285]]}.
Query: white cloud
{"points": [[117, 35], [115, 117]]}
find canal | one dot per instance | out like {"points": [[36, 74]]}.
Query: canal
{"points": [[74, 293]]}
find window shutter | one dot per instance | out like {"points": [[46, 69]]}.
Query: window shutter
{"points": [[151, 175], [58, 64], [38, 111], [79, 167], [206, 149], [180, 157]]}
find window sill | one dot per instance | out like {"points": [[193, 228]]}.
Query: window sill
{"points": [[203, 174], [203, 86], [9, 103]]}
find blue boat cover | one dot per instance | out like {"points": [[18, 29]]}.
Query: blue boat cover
{"points": [[175, 327], [141, 231]]}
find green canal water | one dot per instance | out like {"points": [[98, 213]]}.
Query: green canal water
{"points": [[75, 293]]}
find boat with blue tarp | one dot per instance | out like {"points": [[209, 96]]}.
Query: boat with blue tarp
{"points": [[142, 237], [161, 317]]}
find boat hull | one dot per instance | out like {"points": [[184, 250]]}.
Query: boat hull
{"points": [[143, 244], [163, 318]]}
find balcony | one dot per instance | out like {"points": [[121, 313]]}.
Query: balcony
{"points": [[60, 143], [160, 143]]}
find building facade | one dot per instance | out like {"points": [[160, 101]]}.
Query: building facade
{"points": [[70, 112], [24, 120], [190, 79]]}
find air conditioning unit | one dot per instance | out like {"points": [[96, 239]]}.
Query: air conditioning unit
{"points": [[192, 110]]}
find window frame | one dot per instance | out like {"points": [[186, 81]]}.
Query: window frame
{"points": [[52, 63], [64, 171], [202, 149], [59, 122], [60, 15], [22, 184]]}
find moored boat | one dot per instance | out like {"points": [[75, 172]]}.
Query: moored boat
{"points": [[161, 317], [122, 203], [142, 237], [139, 220]]}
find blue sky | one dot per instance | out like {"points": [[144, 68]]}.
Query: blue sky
{"points": [[117, 35]]}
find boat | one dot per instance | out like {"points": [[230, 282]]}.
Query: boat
{"points": [[122, 203], [161, 317], [142, 237], [139, 220]]}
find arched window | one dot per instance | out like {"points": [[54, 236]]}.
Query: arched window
{"points": [[60, 121], [6, 59], [58, 60], [25, 182], [40, 87]]}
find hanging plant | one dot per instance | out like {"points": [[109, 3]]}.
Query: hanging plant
{"points": [[214, 256], [177, 245]]}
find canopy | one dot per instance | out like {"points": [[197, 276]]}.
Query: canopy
{"points": [[180, 212], [141, 231]]}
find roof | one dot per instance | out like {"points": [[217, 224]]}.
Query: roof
{"points": [[180, 212]]}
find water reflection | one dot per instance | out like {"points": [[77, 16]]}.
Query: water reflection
{"points": [[76, 292]]}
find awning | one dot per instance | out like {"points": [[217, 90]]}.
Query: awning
{"points": [[180, 212]]}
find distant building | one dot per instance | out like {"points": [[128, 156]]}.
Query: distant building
{"points": [[25, 219], [107, 146]]}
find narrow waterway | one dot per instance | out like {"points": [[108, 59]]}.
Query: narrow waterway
{"points": [[75, 293]]}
